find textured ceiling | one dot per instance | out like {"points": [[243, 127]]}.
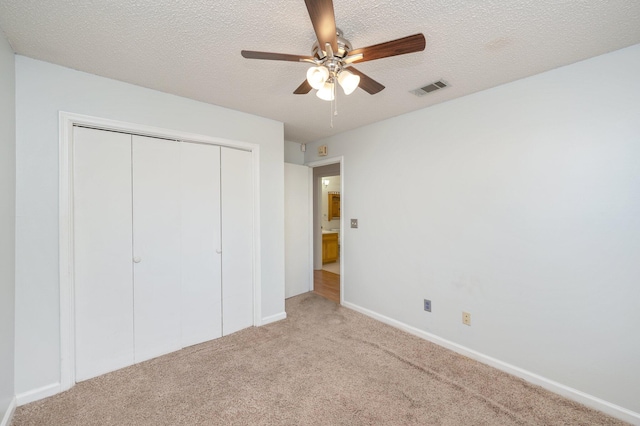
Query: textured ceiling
{"points": [[192, 48]]}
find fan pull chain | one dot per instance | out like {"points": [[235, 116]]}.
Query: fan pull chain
{"points": [[331, 114], [335, 97], [334, 104]]}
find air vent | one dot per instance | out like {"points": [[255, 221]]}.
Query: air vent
{"points": [[430, 88]]}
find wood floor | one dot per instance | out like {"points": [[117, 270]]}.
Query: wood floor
{"points": [[327, 284]]}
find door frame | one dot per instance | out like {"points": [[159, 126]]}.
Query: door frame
{"points": [[67, 121], [343, 239]]}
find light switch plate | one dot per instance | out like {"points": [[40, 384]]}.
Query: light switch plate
{"points": [[354, 223]]}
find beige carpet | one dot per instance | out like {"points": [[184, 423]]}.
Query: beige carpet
{"points": [[323, 365]]}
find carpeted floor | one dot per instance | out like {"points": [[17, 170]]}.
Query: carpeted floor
{"points": [[323, 365]]}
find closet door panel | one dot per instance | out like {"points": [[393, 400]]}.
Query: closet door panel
{"points": [[237, 240], [201, 260], [156, 246], [103, 275]]}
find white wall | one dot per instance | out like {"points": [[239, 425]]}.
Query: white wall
{"points": [[520, 205], [42, 90], [292, 153], [7, 223]]}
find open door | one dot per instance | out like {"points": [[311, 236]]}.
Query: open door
{"points": [[297, 226]]}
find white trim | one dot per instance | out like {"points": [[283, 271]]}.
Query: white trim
{"points": [[8, 415], [344, 200], [65, 181], [325, 161], [65, 237], [257, 258], [273, 318], [312, 165], [558, 388], [38, 394], [311, 230]]}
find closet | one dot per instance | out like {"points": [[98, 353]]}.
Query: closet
{"points": [[163, 234]]}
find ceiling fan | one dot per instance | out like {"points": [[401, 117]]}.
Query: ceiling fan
{"points": [[332, 56]]}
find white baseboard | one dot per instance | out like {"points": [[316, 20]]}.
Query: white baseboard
{"points": [[8, 415], [273, 318], [566, 391], [39, 393]]}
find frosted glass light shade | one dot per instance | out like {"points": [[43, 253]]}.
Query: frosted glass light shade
{"points": [[326, 92], [348, 81], [317, 76]]}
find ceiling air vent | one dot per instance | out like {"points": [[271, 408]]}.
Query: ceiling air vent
{"points": [[430, 88]]}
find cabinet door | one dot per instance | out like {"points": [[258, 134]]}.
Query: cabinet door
{"points": [[325, 250], [334, 206], [103, 275], [156, 246], [329, 248], [332, 248], [201, 260], [237, 240]]}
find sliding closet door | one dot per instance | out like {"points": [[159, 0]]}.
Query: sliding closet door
{"points": [[156, 246], [102, 252], [237, 240], [201, 259]]}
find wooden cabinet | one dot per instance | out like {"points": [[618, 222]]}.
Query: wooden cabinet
{"points": [[334, 205], [329, 247]]}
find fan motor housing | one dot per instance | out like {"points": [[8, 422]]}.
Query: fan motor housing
{"points": [[344, 47]]}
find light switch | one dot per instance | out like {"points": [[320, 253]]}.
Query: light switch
{"points": [[354, 223]]}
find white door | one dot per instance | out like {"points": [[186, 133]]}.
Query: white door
{"points": [[237, 240], [201, 249], [156, 246], [102, 252], [297, 224], [149, 246]]}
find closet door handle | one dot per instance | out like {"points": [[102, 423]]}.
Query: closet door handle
{"points": [[218, 251], [137, 259]]}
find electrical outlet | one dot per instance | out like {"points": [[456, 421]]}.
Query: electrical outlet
{"points": [[427, 305], [354, 223], [466, 318]]}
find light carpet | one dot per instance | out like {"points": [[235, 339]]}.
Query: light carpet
{"points": [[323, 365]]}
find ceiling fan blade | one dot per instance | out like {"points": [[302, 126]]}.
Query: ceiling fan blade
{"points": [[367, 84], [250, 54], [401, 46], [303, 89], [324, 22]]}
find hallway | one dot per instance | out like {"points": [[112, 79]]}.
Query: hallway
{"points": [[327, 285]]}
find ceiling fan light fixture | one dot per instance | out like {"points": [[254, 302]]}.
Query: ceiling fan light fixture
{"points": [[317, 76], [326, 92], [348, 81]]}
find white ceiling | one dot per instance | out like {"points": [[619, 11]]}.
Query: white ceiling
{"points": [[192, 48]]}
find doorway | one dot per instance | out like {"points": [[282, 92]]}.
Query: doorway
{"points": [[330, 205], [328, 241]]}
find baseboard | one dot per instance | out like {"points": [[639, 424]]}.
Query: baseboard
{"points": [[273, 318], [39, 393], [8, 415], [566, 391]]}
